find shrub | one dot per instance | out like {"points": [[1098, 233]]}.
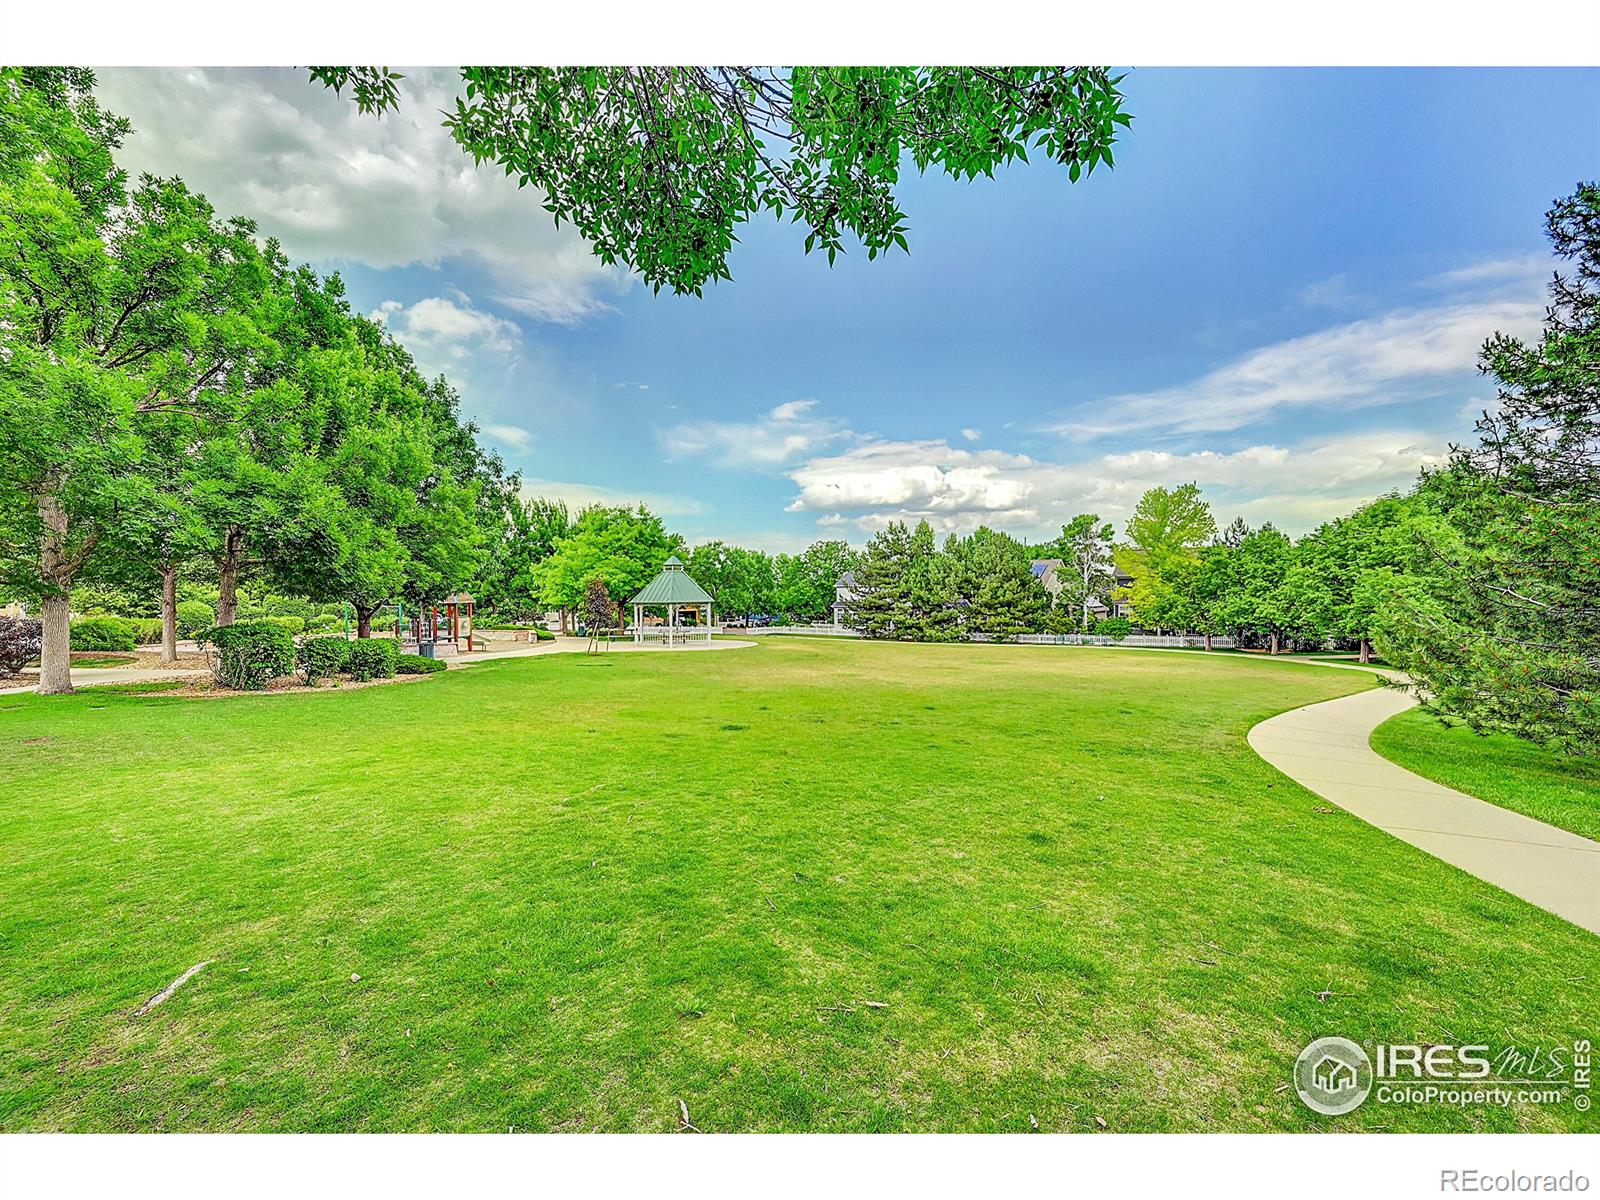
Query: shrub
{"points": [[322, 657], [195, 617], [146, 630], [103, 633], [289, 606], [541, 634], [415, 664], [322, 621], [294, 625], [20, 640], [373, 658], [1113, 627], [250, 653]]}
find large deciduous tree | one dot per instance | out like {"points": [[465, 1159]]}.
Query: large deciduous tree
{"points": [[117, 309], [1167, 529], [624, 546], [657, 167]]}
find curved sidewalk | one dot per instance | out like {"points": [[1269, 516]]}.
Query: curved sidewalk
{"points": [[1324, 748]]}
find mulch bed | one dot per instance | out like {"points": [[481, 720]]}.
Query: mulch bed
{"points": [[205, 688]]}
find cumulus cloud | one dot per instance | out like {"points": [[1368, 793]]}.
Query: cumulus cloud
{"points": [[339, 187], [972, 435], [438, 326], [956, 489], [787, 432]]}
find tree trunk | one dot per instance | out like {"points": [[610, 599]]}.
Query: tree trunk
{"points": [[228, 576], [1366, 651], [1274, 648], [55, 610], [169, 615], [566, 628], [1208, 641], [55, 656], [364, 621]]}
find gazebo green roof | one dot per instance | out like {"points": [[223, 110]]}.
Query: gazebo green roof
{"points": [[672, 586]]}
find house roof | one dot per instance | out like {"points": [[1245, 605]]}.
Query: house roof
{"points": [[672, 586], [847, 580], [1041, 566]]}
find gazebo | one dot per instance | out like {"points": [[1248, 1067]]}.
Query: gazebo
{"points": [[674, 591]]}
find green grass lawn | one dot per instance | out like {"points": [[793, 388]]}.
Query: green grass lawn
{"points": [[809, 886], [1505, 770]]}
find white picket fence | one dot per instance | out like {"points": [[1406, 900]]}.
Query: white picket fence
{"points": [[671, 635], [1169, 641], [812, 630], [1148, 640]]}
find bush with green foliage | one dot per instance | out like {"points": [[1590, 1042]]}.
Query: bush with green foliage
{"points": [[322, 657], [415, 664], [295, 625], [249, 654], [195, 617], [541, 634], [146, 630], [373, 658], [103, 633], [322, 622], [1113, 627], [20, 640]]}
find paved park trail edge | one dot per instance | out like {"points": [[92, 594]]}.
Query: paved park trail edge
{"points": [[1324, 747]]}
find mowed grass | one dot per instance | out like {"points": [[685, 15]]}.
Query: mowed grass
{"points": [[1541, 782], [808, 886]]}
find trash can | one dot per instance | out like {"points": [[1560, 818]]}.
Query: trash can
{"points": [[425, 649]]}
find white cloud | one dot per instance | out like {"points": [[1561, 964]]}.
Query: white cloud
{"points": [[452, 328], [339, 187], [783, 434], [1515, 271], [1375, 361], [972, 435], [1295, 487], [582, 495], [512, 435]]}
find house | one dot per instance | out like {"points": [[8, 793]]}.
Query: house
{"points": [[1050, 571], [844, 595]]}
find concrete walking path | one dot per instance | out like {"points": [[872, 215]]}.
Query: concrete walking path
{"points": [[1324, 747], [83, 677]]}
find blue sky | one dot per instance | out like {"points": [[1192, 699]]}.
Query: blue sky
{"points": [[1279, 292]]}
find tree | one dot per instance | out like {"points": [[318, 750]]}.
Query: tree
{"points": [[1084, 548], [624, 546], [1200, 591], [1167, 529], [807, 582], [117, 309], [657, 167], [599, 611], [995, 589], [1348, 567], [882, 604], [1500, 623], [1261, 600], [527, 535]]}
